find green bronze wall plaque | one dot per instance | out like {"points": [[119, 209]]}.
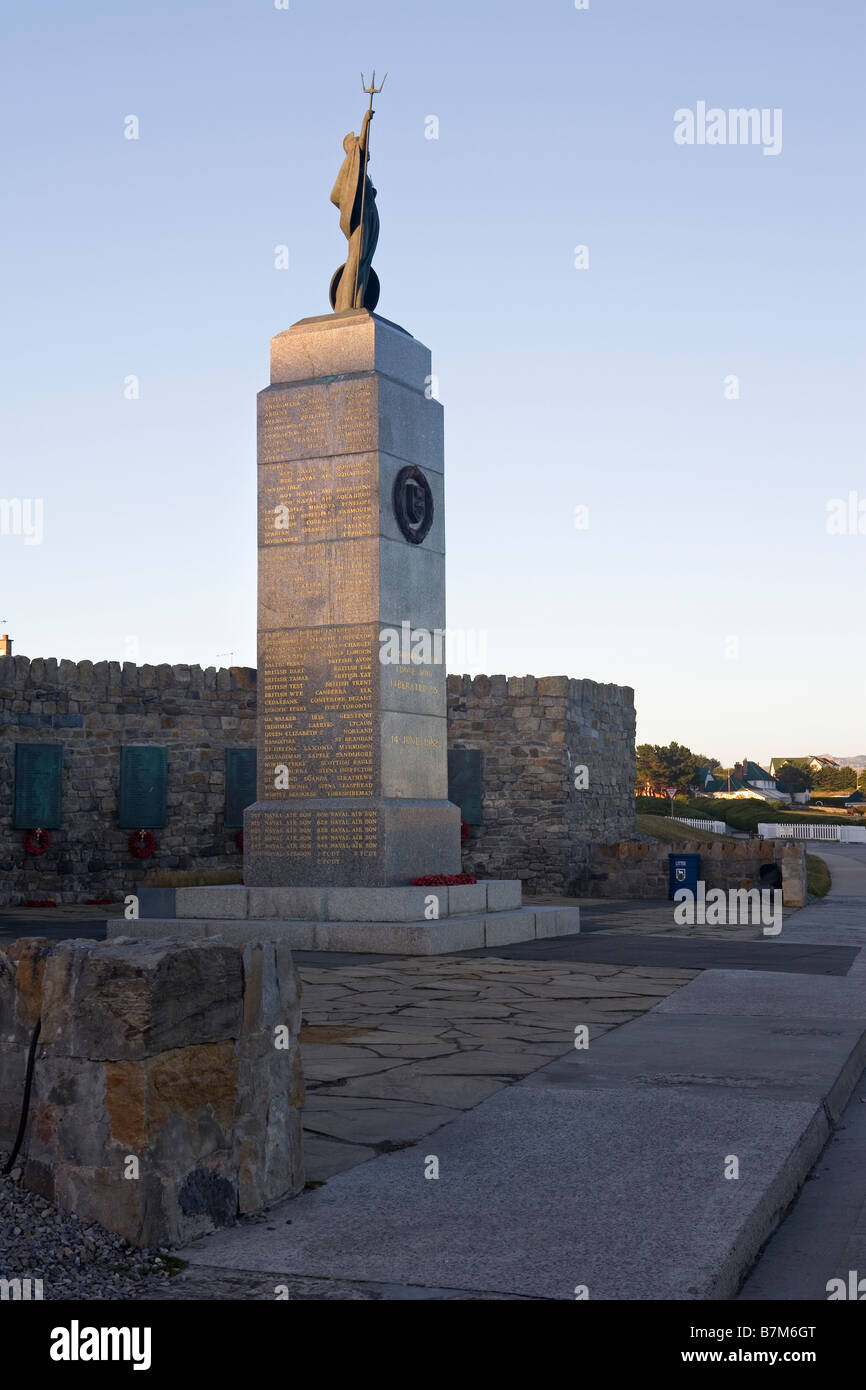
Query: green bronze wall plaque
{"points": [[37, 786], [143, 778], [240, 785], [464, 782]]}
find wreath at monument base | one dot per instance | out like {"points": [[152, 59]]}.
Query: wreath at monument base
{"points": [[239, 841], [36, 841], [464, 832], [141, 843]]}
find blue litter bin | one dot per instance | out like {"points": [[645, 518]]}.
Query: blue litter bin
{"points": [[683, 872]]}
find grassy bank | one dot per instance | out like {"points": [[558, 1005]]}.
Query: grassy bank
{"points": [[818, 878], [669, 833]]}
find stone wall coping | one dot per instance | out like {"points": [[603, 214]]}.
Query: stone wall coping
{"points": [[522, 687], [49, 671], [724, 849]]}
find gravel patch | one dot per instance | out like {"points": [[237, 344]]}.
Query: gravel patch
{"points": [[75, 1259]]}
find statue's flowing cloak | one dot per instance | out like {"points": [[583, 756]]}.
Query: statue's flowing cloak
{"points": [[346, 192], [346, 195]]}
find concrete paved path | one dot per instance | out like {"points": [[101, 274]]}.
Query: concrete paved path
{"points": [[610, 1169], [604, 1169], [653, 1165]]}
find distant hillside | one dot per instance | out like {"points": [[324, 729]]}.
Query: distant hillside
{"points": [[859, 761]]}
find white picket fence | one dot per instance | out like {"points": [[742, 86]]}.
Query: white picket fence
{"points": [[717, 827], [846, 834]]}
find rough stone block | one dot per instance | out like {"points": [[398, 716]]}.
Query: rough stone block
{"points": [[142, 997], [182, 1055], [156, 929]]}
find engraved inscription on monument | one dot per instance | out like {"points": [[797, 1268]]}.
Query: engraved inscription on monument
{"points": [[322, 837], [317, 707], [318, 500], [303, 421], [414, 689]]}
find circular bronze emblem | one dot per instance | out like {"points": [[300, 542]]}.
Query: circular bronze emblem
{"points": [[413, 503]]}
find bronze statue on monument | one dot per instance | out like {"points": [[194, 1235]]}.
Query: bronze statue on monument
{"points": [[356, 285]]}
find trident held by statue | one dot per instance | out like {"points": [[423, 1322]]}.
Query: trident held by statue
{"points": [[355, 284], [371, 92]]}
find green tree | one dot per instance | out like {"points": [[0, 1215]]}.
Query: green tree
{"points": [[791, 778], [835, 779], [648, 773], [861, 780], [660, 766]]}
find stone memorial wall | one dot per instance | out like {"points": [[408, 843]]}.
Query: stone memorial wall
{"points": [[94, 711], [529, 736], [557, 773]]}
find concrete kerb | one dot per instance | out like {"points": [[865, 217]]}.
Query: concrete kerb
{"points": [[772, 1206], [770, 996]]}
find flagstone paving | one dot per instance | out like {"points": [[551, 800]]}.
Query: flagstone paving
{"points": [[392, 1050]]}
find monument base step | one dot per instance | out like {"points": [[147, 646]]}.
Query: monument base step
{"points": [[236, 901], [465, 932]]}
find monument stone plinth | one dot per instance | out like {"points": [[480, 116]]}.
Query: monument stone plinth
{"points": [[352, 739]]}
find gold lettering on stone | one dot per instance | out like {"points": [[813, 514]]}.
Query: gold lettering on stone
{"points": [[317, 710], [324, 837], [421, 680], [400, 741], [301, 422], [318, 500]]}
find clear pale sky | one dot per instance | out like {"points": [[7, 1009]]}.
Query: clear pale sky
{"points": [[706, 578]]}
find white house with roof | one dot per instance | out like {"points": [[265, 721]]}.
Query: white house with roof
{"points": [[748, 781]]}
